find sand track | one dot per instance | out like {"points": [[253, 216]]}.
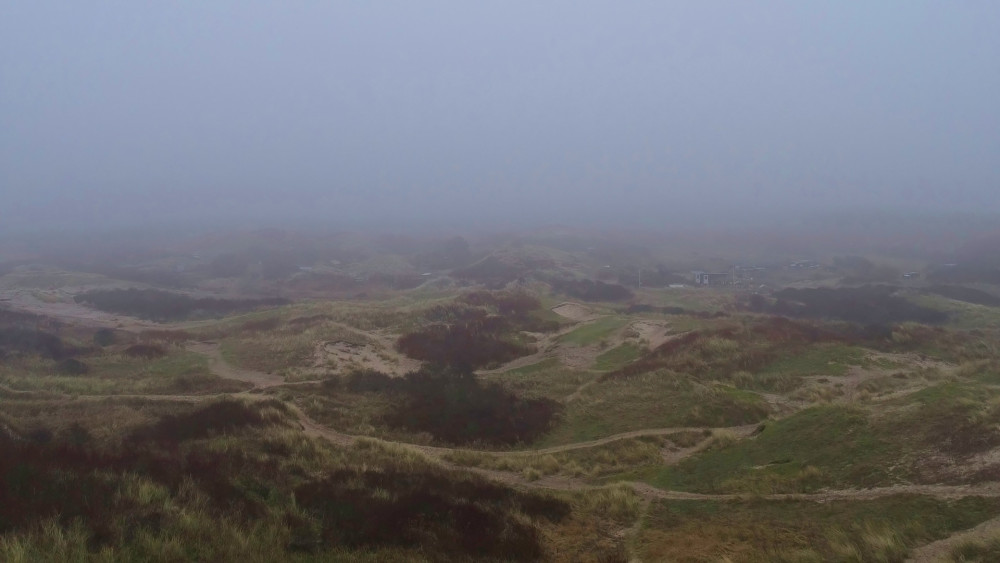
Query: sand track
{"points": [[261, 381]]}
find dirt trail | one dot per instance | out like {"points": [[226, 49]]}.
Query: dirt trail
{"points": [[675, 456], [569, 484], [940, 551], [741, 430], [223, 369], [647, 491], [261, 380]]}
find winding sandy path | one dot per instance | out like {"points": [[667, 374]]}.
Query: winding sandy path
{"points": [[225, 370], [261, 381], [940, 551]]}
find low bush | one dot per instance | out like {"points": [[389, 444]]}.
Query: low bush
{"points": [[457, 517], [726, 352], [25, 341], [220, 417], [456, 407], [476, 340], [71, 366]]}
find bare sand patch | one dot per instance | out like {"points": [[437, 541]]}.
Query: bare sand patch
{"points": [[343, 357], [652, 332], [574, 312]]}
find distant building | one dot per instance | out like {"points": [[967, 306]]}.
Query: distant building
{"points": [[712, 278]]}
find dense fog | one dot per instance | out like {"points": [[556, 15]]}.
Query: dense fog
{"points": [[510, 114]]}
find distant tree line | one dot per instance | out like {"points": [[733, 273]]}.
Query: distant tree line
{"points": [[163, 306], [590, 290], [867, 305]]}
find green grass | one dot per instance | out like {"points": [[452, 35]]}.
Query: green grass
{"points": [[822, 446], [826, 359], [654, 400], [962, 315], [177, 372], [594, 332], [692, 298], [617, 357], [593, 462], [547, 378], [282, 349], [785, 531], [977, 551]]}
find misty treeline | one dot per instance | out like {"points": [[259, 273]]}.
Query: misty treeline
{"points": [[164, 306], [590, 290]]}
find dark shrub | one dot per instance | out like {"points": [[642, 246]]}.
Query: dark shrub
{"points": [[71, 366], [476, 340], [456, 407], [218, 417], [76, 435], [461, 518], [40, 435], [104, 337], [519, 307], [758, 345], [16, 340], [370, 381]]}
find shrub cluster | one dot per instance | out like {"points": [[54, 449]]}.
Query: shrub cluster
{"points": [[463, 517], [446, 515], [16, 340], [456, 407], [476, 341], [223, 416], [727, 350]]}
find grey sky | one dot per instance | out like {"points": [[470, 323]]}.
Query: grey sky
{"points": [[152, 112]]}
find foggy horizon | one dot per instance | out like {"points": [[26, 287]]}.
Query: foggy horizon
{"points": [[493, 115]]}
